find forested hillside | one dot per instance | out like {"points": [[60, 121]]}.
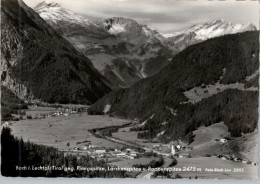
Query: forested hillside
{"points": [[222, 62]]}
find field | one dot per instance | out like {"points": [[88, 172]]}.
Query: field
{"points": [[206, 141], [206, 135], [128, 163], [248, 144], [250, 172], [60, 130], [125, 134]]}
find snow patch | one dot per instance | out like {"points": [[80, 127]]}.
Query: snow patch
{"points": [[144, 75], [254, 75], [107, 108], [143, 123], [171, 35], [173, 112], [164, 123], [116, 29], [151, 117], [146, 31], [224, 72], [160, 134]]}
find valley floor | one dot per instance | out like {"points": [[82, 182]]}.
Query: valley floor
{"points": [[70, 133]]}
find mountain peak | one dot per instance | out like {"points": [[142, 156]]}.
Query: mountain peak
{"points": [[54, 4], [200, 32], [46, 4], [116, 25], [218, 27], [219, 21], [55, 12], [121, 20]]}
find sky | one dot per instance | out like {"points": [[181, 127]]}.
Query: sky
{"points": [[167, 16]]}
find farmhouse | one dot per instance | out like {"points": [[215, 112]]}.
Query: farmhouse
{"points": [[244, 161], [134, 155], [121, 154], [130, 157], [85, 148], [6, 124], [223, 140], [92, 146], [254, 163], [100, 151], [184, 155], [224, 158], [75, 148], [237, 159], [178, 147], [156, 146]]}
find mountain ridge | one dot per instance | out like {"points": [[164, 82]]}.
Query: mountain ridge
{"points": [[32, 64], [136, 46], [121, 49], [201, 32]]}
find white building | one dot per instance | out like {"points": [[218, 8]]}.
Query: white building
{"points": [[184, 155], [133, 155], [223, 140], [244, 161], [223, 158], [100, 151], [178, 147], [121, 155], [173, 150]]}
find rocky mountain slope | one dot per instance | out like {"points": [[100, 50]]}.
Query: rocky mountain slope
{"points": [[37, 63], [10, 104], [224, 68], [123, 50]]}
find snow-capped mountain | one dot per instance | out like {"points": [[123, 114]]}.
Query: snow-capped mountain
{"points": [[131, 31], [56, 13], [201, 32], [218, 28], [123, 50]]}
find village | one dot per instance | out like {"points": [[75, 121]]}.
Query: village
{"points": [[87, 148], [177, 151], [59, 111], [98, 152]]}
